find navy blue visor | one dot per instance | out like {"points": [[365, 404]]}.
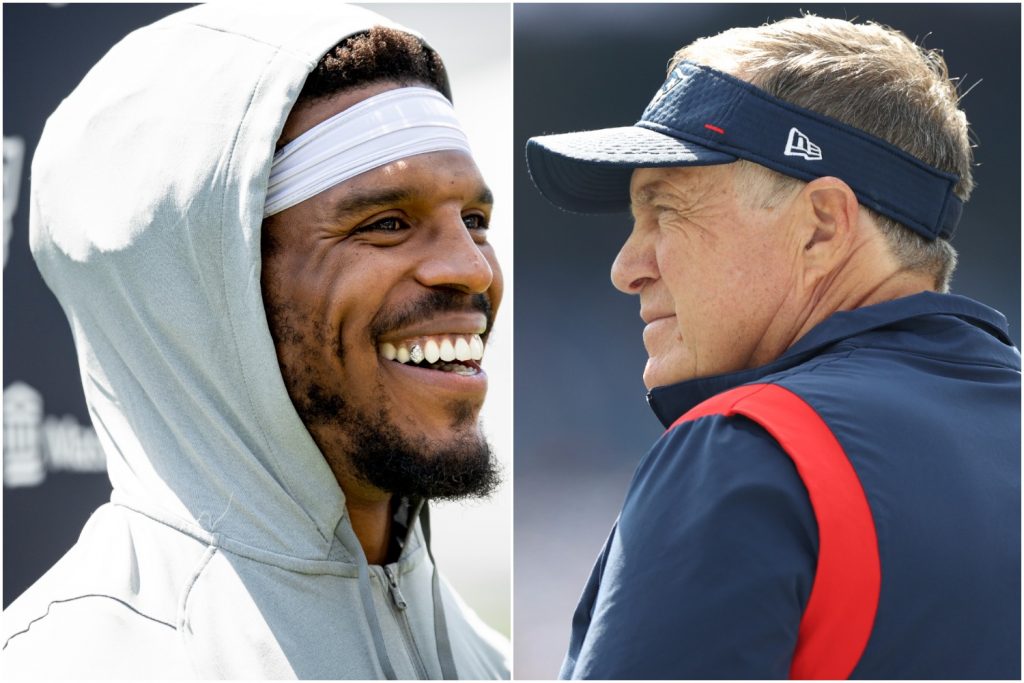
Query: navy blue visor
{"points": [[702, 116]]}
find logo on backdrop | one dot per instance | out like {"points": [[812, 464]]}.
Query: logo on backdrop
{"points": [[799, 145], [35, 444], [14, 156]]}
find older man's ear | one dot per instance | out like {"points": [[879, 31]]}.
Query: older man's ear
{"points": [[828, 225]]}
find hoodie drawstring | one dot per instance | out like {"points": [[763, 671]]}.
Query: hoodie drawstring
{"points": [[366, 595], [371, 617], [444, 645]]}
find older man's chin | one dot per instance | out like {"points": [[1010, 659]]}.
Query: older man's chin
{"points": [[662, 371]]}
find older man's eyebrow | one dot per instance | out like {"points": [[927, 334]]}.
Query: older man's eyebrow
{"points": [[659, 194], [641, 197], [645, 196]]}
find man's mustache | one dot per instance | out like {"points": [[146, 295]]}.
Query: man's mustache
{"points": [[428, 306]]}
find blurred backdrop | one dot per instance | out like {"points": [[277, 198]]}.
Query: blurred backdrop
{"points": [[54, 474], [581, 419]]}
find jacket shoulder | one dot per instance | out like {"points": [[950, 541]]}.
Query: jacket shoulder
{"points": [[108, 607], [733, 451], [94, 636], [678, 574]]}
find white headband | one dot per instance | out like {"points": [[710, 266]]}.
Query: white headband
{"points": [[381, 129]]}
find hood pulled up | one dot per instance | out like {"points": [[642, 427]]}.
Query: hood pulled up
{"points": [[148, 188]]}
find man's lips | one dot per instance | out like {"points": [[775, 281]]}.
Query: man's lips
{"points": [[461, 324], [657, 328], [652, 316], [437, 381], [448, 344]]}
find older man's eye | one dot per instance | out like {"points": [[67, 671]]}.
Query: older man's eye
{"points": [[475, 222]]}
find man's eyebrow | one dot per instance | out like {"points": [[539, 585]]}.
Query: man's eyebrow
{"points": [[359, 201], [657, 192], [644, 196], [485, 196]]}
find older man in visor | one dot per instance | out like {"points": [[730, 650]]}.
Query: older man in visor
{"points": [[837, 493]]}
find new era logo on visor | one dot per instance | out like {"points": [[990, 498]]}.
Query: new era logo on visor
{"points": [[799, 145]]}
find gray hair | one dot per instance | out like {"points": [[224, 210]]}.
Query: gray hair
{"points": [[868, 76]]}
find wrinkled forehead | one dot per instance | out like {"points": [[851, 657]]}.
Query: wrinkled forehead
{"points": [[678, 184]]}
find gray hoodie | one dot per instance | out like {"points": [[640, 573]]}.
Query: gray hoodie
{"points": [[226, 550]]}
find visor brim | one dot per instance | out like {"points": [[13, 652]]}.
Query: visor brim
{"points": [[589, 171]]}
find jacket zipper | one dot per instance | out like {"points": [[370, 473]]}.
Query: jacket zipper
{"points": [[398, 605]]}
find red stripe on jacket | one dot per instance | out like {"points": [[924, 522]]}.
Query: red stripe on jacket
{"points": [[841, 610]]}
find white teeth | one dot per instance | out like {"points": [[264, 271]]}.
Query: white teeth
{"points": [[432, 352], [462, 349], [416, 354], [447, 351]]}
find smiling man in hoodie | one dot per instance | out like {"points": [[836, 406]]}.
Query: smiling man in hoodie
{"points": [[279, 310]]}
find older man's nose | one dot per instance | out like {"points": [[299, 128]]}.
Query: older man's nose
{"points": [[634, 266]]}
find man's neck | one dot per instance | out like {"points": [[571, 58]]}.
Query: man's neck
{"points": [[371, 521], [869, 277], [851, 293]]}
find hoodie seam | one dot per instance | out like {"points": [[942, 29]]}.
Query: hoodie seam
{"points": [[224, 291], [45, 614], [300, 565], [259, 41], [186, 593], [183, 605]]}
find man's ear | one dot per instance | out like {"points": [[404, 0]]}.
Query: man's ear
{"points": [[830, 213]]}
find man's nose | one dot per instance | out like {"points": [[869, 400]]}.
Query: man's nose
{"points": [[635, 265], [455, 260]]}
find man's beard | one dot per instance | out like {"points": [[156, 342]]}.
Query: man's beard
{"points": [[381, 455]]}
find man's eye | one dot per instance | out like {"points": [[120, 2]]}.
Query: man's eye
{"points": [[389, 224], [475, 222]]}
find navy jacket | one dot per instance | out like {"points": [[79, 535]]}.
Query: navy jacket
{"points": [[708, 570]]}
